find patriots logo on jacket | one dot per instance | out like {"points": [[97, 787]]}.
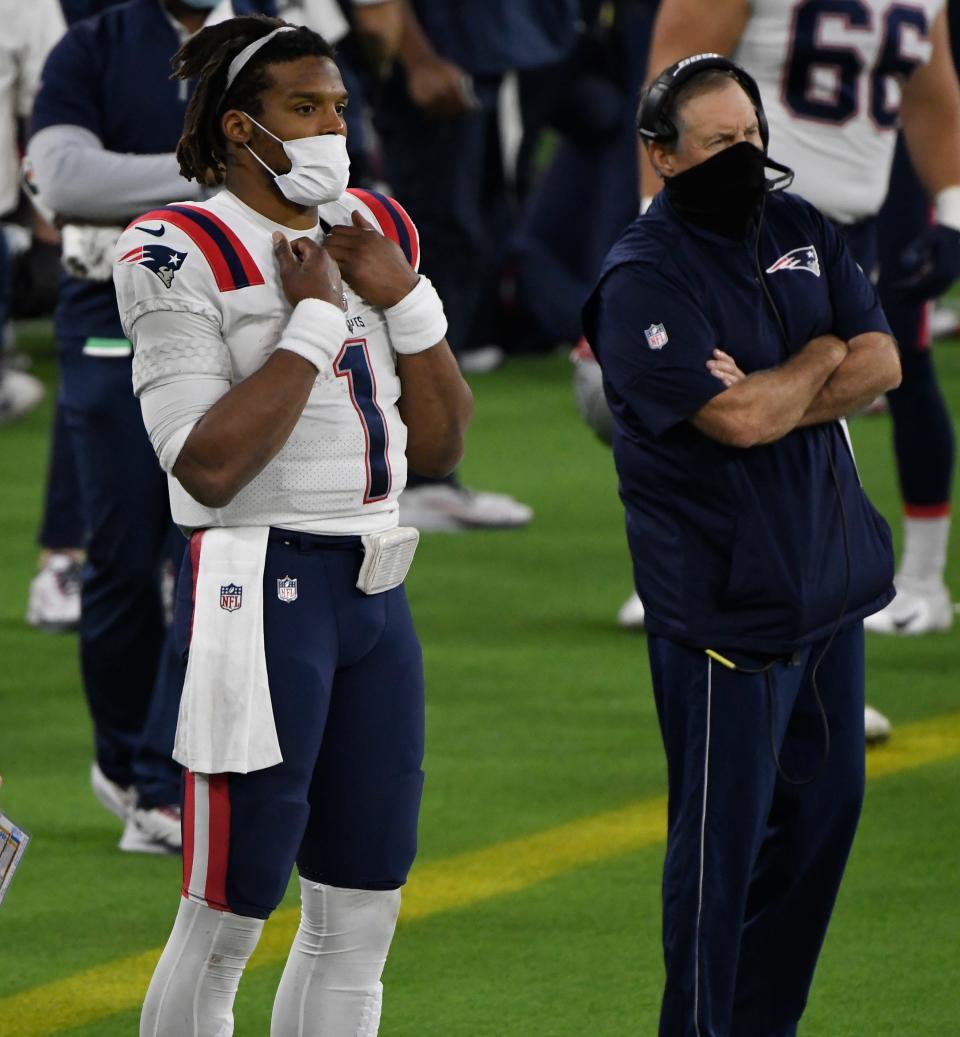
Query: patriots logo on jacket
{"points": [[803, 258], [161, 259]]}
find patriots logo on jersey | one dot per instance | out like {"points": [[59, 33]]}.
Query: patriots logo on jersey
{"points": [[161, 259], [803, 258]]}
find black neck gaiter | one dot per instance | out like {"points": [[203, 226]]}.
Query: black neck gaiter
{"points": [[723, 194]]}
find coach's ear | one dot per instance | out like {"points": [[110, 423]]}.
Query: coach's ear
{"points": [[661, 158]]}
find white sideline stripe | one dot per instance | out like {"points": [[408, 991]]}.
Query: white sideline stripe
{"points": [[201, 836], [703, 839]]}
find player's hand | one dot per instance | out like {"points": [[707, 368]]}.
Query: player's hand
{"points": [[930, 264], [721, 365], [307, 271], [373, 265], [440, 87]]}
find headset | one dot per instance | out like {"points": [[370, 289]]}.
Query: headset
{"points": [[655, 115]]}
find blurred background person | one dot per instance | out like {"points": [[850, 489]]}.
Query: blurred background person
{"points": [[440, 121], [30, 30], [106, 122], [578, 207]]}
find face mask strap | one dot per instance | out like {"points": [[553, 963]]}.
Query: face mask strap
{"points": [[252, 152]]}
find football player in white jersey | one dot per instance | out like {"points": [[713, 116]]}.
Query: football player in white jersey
{"points": [[288, 360], [838, 78]]}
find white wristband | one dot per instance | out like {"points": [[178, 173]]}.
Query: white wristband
{"points": [[417, 322], [948, 206], [315, 331]]}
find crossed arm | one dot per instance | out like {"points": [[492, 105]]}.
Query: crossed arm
{"points": [[826, 380]]}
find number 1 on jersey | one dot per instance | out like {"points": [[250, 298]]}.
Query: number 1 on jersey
{"points": [[353, 363]]}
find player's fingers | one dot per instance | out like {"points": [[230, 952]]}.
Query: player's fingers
{"points": [[359, 221], [304, 248], [283, 252]]}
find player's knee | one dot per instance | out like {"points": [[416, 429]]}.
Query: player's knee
{"points": [[351, 928]]}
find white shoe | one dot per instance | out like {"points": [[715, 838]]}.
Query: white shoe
{"points": [[54, 600], [917, 609], [876, 727], [631, 614], [482, 360], [113, 797], [156, 830], [19, 394], [944, 321], [445, 508]]}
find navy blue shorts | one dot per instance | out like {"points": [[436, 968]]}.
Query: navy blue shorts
{"points": [[346, 682]]}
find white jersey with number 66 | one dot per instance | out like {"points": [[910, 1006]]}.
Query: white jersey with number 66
{"points": [[830, 74]]}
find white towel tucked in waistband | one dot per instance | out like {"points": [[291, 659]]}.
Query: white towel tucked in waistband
{"points": [[226, 716]]}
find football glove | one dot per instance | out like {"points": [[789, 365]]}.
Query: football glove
{"points": [[930, 264]]}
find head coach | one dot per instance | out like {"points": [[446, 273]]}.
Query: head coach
{"points": [[734, 332]]}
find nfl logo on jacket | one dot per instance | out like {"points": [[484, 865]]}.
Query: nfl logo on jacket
{"points": [[231, 597], [656, 336]]}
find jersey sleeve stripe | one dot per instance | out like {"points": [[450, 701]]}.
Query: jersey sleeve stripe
{"points": [[232, 265], [394, 222]]}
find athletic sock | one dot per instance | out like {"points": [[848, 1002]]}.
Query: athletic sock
{"points": [[331, 982], [924, 558], [195, 982]]}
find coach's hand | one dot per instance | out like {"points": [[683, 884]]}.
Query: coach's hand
{"points": [[930, 264], [373, 265], [307, 271], [721, 365]]}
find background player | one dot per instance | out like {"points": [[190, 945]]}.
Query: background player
{"points": [[105, 124], [286, 437]]}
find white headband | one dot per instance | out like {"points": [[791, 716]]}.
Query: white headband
{"points": [[247, 53]]}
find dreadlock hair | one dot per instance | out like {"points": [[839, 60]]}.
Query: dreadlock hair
{"points": [[202, 149]]}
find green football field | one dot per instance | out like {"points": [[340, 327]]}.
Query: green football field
{"points": [[533, 908]]}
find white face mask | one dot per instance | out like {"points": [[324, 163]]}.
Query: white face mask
{"points": [[319, 167]]}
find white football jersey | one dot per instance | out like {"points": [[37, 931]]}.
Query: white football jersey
{"points": [[344, 465], [830, 75]]}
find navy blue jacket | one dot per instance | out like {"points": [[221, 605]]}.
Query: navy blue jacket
{"points": [[735, 548], [110, 74]]}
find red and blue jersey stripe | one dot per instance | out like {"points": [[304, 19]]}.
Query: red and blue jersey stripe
{"points": [[393, 221], [232, 265]]}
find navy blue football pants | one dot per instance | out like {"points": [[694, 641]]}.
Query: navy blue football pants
{"points": [[131, 675], [923, 437], [753, 861], [346, 684], [62, 524]]}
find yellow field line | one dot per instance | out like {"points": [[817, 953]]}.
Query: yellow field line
{"points": [[439, 886]]}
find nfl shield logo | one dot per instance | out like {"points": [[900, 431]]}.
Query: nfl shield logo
{"points": [[656, 336], [287, 589], [231, 597]]}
